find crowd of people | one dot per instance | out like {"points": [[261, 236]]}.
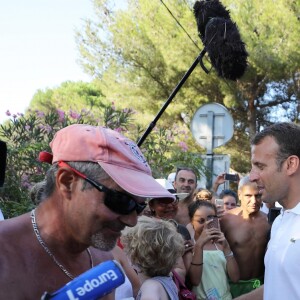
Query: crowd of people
{"points": [[99, 202]]}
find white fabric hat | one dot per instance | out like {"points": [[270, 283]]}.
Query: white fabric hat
{"points": [[171, 177], [168, 186]]}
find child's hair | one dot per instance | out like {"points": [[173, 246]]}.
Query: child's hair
{"points": [[203, 194], [154, 245], [200, 203]]}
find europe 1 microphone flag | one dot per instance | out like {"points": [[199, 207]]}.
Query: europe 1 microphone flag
{"points": [[91, 285]]}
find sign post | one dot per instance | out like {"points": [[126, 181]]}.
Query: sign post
{"points": [[212, 127]]}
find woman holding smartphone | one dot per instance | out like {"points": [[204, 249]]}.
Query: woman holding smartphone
{"points": [[212, 259]]}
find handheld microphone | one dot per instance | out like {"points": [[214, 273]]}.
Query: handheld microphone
{"points": [[91, 285]]}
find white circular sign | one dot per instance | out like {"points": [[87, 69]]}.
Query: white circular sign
{"points": [[212, 125]]}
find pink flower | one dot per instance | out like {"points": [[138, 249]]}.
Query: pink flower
{"points": [[39, 113], [169, 137], [119, 129], [27, 127], [25, 181], [48, 128], [61, 115], [183, 146], [8, 113], [74, 115]]}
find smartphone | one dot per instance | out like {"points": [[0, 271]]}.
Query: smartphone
{"points": [[214, 223], [219, 202], [231, 177]]}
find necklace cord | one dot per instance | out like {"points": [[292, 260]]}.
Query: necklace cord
{"points": [[47, 250]]}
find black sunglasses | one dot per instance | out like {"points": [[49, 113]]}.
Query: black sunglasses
{"points": [[118, 202]]}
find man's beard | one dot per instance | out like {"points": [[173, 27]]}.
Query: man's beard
{"points": [[99, 241]]}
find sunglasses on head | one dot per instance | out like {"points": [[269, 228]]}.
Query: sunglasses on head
{"points": [[116, 201]]}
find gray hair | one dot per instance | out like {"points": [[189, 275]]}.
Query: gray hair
{"points": [[244, 181], [45, 188]]}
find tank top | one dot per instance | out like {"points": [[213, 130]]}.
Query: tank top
{"points": [[168, 284], [214, 282]]}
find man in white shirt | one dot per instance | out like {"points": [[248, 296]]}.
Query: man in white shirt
{"points": [[275, 158]]}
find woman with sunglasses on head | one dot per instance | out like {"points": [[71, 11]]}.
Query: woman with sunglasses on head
{"points": [[213, 259]]}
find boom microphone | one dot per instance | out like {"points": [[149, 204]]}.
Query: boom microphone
{"points": [[91, 285], [222, 43], [221, 39]]}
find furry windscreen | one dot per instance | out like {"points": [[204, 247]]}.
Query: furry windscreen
{"points": [[221, 38]]}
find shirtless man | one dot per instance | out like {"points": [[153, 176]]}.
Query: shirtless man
{"points": [[97, 185], [185, 182], [246, 228]]}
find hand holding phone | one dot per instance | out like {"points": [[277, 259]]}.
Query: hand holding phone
{"points": [[231, 177], [214, 223], [220, 207], [219, 202]]}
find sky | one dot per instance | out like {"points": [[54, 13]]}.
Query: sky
{"points": [[37, 48]]}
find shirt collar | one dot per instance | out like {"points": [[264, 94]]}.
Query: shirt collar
{"points": [[295, 210]]}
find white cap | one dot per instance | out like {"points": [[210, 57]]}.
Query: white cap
{"points": [[171, 177], [168, 186]]}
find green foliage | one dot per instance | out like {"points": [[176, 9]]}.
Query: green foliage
{"points": [[165, 149], [69, 95]]}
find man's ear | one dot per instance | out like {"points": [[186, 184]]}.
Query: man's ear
{"points": [[174, 184], [292, 164], [66, 181]]}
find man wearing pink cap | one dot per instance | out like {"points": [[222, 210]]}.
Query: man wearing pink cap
{"points": [[97, 185]]}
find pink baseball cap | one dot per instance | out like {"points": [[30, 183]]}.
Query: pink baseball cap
{"points": [[120, 157]]}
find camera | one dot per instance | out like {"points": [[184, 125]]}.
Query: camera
{"points": [[231, 177]]}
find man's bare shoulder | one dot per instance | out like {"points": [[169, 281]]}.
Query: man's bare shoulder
{"points": [[235, 211], [262, 215], [231, 219], [262, 220], [232, 215], [16, 236], [12, 229]]}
